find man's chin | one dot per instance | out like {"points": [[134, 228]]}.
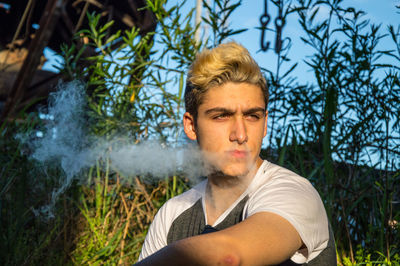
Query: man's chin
{"points": [[230, 171], [228, 166]]}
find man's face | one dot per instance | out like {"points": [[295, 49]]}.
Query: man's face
{"points": [[231, 124]]}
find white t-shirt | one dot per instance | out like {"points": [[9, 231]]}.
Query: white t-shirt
{"points": [[273, 189]]}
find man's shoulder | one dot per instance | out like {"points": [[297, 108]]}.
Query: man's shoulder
{"points": [[279, 186], [273, 174], [293, 197]]}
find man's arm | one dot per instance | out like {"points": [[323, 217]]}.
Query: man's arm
{"points": [[262, 239]]}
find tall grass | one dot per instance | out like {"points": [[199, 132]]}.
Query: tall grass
{"points": [[115, 216], [24, 238]]}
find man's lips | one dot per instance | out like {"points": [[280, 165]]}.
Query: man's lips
{"points": [[238, 153]]}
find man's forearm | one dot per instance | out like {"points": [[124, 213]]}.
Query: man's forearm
{"points": [[193, 251]]}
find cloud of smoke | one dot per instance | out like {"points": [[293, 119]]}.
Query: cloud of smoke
{"points": [[66, 142], [156, 160], [65, 138]]}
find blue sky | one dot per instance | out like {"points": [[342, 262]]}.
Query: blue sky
{"points": [[377, 11]]}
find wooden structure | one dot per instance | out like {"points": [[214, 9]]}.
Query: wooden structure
{"points": [[28, 26]]}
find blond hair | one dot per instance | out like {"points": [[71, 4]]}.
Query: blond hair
{"points": [[229, 62]]}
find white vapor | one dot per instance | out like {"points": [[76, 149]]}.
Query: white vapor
{"points": [[66, 142]]}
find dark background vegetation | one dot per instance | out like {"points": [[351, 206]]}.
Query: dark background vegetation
{"points": [[341, 131]]}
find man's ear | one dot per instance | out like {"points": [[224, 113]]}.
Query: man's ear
{"points": [[189, 126], [266, 123]]}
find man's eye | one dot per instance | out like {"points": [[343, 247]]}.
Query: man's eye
{"points": [[221, 116], [253, 117]]}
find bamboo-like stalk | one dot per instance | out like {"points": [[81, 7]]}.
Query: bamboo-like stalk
{"points": [[128, 218]]}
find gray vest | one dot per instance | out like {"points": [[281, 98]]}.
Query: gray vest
{"points": [[192, 222]]}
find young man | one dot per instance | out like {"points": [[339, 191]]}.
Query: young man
{"points": [[248, 211]]}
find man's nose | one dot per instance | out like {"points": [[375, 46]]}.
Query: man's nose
{"points": [[238, 132]]}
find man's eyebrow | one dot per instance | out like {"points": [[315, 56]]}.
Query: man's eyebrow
{"points": [[219, 110], [254, 110]]}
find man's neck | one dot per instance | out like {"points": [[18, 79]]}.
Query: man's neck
{"points": [[222, 191]]}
